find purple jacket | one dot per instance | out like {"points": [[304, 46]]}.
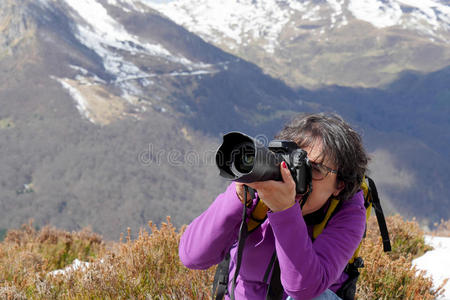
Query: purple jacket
{"points": [[307, 268]]}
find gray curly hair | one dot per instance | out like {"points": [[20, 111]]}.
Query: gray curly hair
{"points": [[341, 144]]}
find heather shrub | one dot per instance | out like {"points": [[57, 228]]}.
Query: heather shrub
{"points": [[148, 267], [391, 275], [442, 229], [27, 254], [406, 237], [145, 268]]}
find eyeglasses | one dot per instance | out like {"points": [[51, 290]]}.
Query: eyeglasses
{"points": [[319, 171]]}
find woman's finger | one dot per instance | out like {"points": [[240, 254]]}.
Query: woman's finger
{"points": [[286, 174]]}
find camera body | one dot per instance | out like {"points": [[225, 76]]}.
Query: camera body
{"points": [[243, 159], [297, 162]]}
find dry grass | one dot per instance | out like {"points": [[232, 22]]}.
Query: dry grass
{"points": [[148, 267], [101, 106], [145, 268], [391, 275], [27, 255], [442, 229]]}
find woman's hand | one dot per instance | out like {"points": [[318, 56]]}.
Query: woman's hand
{"points": [[277, 195]]}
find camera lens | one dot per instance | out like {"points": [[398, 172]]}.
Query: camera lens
{"points": [[244, 157]]}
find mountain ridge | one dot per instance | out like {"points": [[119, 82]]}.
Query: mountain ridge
{"points": [[72, 136], [335, 36]]}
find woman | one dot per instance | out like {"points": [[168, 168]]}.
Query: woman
{"points": [[309, 269]]}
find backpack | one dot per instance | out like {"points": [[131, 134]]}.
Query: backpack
{"points": [[275, 290]]}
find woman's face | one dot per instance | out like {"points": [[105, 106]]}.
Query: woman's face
{"points": [[321, 189]]}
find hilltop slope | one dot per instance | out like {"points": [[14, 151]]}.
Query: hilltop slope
{"points": [[312, 43]]}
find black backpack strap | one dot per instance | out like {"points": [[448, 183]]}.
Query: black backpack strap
{"points": [[270, 266], [380, 215], [348, 290], [220, 284], [275, 290]]}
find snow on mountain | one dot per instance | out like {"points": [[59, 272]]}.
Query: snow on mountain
{"points": [[425, 16], [101, 33], [119, 50], [436, 262], [234, 22]]}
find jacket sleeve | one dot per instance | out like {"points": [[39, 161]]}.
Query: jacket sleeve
{"points": [[307, 268], [210, 236]]}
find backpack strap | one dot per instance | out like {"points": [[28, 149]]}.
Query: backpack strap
{"points": [[275, 289], [220, 283], [258, 215], [368, 206], [332, 209], [348, 290], [380, 215]]}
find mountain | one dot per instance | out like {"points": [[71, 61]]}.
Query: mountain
{"points": [[112, 119], [391, 56], [111, 113], [405, 125], [312, 43]]}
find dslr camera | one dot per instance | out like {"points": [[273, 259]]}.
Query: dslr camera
{"points": [[243, 159]]}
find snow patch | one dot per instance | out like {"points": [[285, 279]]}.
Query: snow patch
{"points": [[86, 73], [98, 31], [338, 9], [436, 262], [76, 265], [426, 16], [81, 103], [379, 13], [234, 23], [230, 20]]}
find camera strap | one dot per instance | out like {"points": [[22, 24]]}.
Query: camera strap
{"points": [[306, 195], [244, 230], [241, 242]]}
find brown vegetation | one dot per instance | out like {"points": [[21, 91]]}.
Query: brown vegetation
{"points": [[442, 229], [391, 275], [149, 268]]}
